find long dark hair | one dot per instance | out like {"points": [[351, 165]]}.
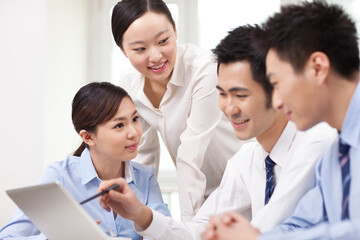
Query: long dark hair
{"points": [[94, 104], [127, 11]]}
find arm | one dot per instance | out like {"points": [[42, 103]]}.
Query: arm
{"points": [[297, 178], [202, 120], [231, 194], [149, 148]]}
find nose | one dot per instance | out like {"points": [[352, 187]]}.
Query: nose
{"points": [[231, 108], [277, 103], [133, 132], [155, 55]]}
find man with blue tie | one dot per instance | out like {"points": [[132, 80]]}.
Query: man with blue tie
{"points": [[267, 177], [313, 63]]}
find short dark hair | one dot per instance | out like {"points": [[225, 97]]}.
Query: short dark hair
{"points": [[299, 30], [237, 46], [126, 12], [94, 104]]}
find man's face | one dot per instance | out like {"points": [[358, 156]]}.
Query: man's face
{"points": [[297, 94], [243, 101]]}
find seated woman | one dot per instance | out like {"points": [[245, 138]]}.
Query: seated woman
{"points": [[106, 119]]}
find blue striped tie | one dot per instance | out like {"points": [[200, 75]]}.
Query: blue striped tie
{"points": [[345, 175], [269, 164]]}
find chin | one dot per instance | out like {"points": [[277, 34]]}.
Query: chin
{"points": [[242, 136]]}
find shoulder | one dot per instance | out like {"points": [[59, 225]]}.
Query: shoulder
{"points": [[139, 168], [321, 132], [245, 154], [193, 56], [69, 163], [130, 81]]}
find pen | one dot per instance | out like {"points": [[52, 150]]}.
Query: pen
{"points": [[100, 193]]}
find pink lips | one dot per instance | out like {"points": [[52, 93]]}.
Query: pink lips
{"points": [[132, 147], [239, 125], [159, 69]]}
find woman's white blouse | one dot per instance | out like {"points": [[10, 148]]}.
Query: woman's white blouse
{"points": [[196, 133]]}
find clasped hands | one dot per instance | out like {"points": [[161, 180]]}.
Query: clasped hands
{"points": [[230, 226]]}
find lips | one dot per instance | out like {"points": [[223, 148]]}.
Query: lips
{"points": [[132, 146], [239, 123], [158, 68]]}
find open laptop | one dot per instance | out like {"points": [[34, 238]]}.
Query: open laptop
{"points": [[56, 213]]}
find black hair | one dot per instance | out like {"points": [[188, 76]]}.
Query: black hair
{"points": [[299, 30], [126, 12], [237, 46], [94, 104]]}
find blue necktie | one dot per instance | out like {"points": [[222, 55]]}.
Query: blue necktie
{"points": [[345, 175], [269, 164]]}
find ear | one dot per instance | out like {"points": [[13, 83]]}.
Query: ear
{"points": [[87, 137], [320, 66], [175, 30], [123, 51]]}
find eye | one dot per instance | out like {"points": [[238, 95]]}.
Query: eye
{"points": [[120, 125], [222, 94], [241, 96], [163, 41], [136, 118], [139, 49]]}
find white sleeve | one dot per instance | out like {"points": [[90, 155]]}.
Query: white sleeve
{"points": [[296, 180], [149, 147], [203, 119], [230, 195]]}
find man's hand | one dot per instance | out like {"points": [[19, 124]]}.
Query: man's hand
{"points": [[124, 202], [231, 226]]}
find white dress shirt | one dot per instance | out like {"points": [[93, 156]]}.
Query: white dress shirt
{"points": [[196, 133], [242, 188]]}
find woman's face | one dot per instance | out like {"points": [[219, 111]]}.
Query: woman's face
{"points": [[150, 45], [118, 138]]}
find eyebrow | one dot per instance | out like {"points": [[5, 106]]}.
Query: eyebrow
{"points": [[269, 75], [234, 89], [157, 35], [123, 118]]}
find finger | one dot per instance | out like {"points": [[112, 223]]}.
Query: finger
{"points": [[98, 222], [231, 217], [108, 183]]}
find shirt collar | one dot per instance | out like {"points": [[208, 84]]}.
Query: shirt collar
{"points": [[129, 172], [350, 130], [89, 172], [283, 144], [177, 77]]}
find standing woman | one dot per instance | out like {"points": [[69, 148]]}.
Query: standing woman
{"points": [[174, 90], [106, 119]]}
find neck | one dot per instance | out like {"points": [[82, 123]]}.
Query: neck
{"points": [[341, 91], [107, 169], [270, 136]]}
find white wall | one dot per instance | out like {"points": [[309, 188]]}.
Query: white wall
{"points": [[43, 62]]}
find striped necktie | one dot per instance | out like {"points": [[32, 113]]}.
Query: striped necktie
{"points": [[345, 175], [269, 189]]}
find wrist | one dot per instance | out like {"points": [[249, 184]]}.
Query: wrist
{"points": [[144, 218]]}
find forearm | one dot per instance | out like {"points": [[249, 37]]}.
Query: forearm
{"points": [[164, 228], [342, 230]]}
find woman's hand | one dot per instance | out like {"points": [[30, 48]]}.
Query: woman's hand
{"points": [[124, 202]]}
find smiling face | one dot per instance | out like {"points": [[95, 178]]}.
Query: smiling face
{"points": [[150, 45], [244, 101], [118, 138], [299, 95]]}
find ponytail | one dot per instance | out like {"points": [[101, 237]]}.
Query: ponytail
{"points": [[80, 149]]}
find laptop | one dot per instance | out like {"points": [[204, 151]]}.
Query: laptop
{"points": [[56, 213]]}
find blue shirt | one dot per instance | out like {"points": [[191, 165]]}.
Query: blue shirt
{"points": [[78, 176], [318, 214]]}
